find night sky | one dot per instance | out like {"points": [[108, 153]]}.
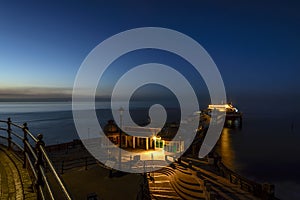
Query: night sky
{"points": [[255, 44]]}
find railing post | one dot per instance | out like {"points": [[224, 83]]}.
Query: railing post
{"points": [[62, 167], [25, 139], [86, 163], [8, 133], [39, 162]]}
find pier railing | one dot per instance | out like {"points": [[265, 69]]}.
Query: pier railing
{"points": [[264, 191], [35, 159], [213, 163]]}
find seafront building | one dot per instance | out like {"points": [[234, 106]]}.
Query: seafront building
{"points": [[144, 138]]}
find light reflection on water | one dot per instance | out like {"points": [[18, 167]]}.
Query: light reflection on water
{"points": [[225, 149], [266, 149]]}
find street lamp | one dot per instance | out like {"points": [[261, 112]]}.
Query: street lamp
{"points": [[179, 158], [121, 110]]}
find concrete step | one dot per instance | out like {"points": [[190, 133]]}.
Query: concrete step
{"points": [[166, 192], [187, 183], [161, 188], [180, 181], [220, 185], [183, 169], [188, 186], [186, 192], [166, 170], [163, 197]]}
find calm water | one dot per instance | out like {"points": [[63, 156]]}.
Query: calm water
{"points": [[266, 148]]}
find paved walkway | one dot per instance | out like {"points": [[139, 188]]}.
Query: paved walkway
{"points": [[82, 183], [15, 182]]}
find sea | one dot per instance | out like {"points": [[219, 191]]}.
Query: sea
{"points": [[266, 149]]}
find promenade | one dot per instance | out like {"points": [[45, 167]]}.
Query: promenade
{"points": [[190, 179], [15, 182], [86, 178], [22, 165]]}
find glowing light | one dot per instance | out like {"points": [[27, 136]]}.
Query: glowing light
{"points": [[222, 107]]}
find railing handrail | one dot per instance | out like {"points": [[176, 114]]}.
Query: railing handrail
{"points": [[258, 188], [253, 187], [36, 153], [54, 172]]}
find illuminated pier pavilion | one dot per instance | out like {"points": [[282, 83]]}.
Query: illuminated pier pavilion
{"points": [[233, 115], [142, 138]]}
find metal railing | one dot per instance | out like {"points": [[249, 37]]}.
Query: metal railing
{"points": [[261, 190], [265, 190], [69, 164], [35, 158]]}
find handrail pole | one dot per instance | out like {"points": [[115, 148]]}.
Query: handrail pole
{"points": [[8, 133], [25, 138], [56, 176], [39, 155], [39, 162], [86, 163]]}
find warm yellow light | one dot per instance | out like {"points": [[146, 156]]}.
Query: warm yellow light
{"points": [[220, 107], [217, 106]]}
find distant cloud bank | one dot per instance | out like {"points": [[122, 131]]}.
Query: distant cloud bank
{"points": [[29, 93]]}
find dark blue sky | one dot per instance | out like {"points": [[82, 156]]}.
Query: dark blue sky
{"points": [[255, 44]]}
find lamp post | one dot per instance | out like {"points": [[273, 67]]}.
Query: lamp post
{"points": [[179, 158], [180, 145], [121, 110]]}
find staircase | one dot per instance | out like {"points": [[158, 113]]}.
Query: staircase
{"points": [[175, 182], [160, 186], [220, 186], [186, 185]]}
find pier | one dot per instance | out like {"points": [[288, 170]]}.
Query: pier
{"points": [[233, 116]]}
